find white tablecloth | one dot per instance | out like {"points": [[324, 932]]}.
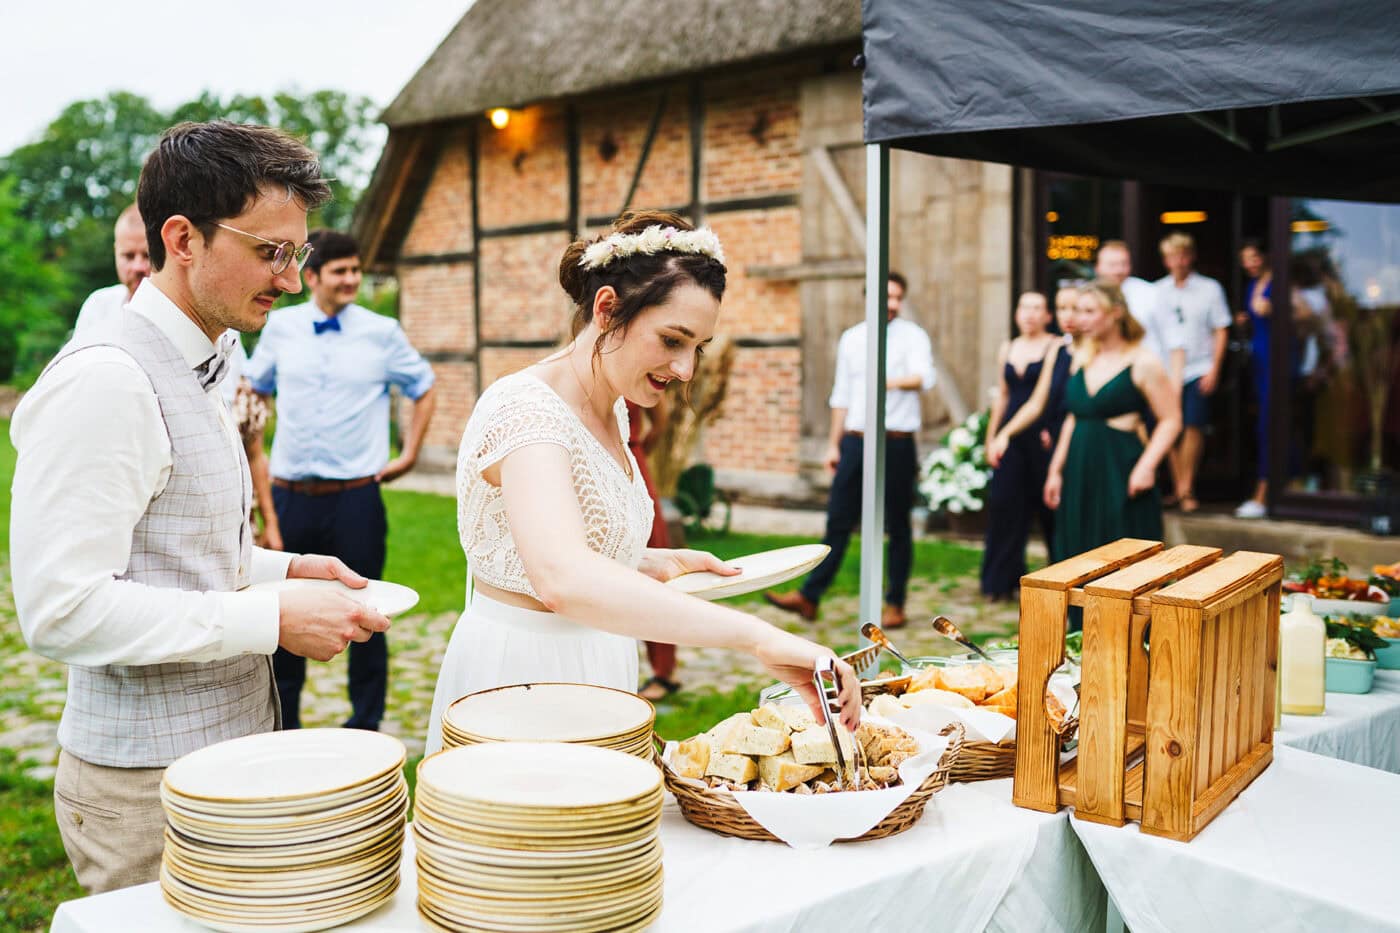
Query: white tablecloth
{"points": [[973, 862], [1310, 845], [1360, 728]]}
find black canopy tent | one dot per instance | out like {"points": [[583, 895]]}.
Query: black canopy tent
{"points": [[1268, 97]]}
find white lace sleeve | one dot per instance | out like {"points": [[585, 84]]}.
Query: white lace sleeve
{"points": [[522, 415]]}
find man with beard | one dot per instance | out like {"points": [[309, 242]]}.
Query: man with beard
{"points": [[331, 364]]}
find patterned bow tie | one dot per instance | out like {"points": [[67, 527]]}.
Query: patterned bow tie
{"points": [[213, 370], [330, 323]]}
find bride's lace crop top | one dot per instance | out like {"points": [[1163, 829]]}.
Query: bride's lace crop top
{"points": [[518, 411]]}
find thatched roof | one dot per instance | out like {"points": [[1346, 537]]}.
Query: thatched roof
{"points": [[508, 53]]}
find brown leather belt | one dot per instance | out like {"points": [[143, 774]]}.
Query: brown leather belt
{"points": [[321, 487], [892, 435]]}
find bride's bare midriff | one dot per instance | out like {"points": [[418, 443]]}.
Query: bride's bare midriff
{"points": [[510, 599]]}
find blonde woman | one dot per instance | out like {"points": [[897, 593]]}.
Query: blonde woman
{"points": [[1102, 479]]}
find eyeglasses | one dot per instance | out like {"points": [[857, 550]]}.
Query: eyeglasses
{"points": [[285, 254]]}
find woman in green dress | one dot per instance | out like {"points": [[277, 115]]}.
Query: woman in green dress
{"points": [[1103, 479]]}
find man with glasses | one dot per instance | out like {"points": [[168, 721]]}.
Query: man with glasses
{"points": [[331, 364], [130, 536]]}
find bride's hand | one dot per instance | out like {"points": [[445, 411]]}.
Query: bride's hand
{"points": [[666, 564], [793, 660]]}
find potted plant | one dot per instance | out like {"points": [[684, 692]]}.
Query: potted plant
{"points": [[954, 476]]}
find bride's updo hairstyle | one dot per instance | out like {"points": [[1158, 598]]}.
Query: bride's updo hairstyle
{"points": [[642, 275]]}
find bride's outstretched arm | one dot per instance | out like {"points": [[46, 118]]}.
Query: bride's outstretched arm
{"points": [[573, 580]]}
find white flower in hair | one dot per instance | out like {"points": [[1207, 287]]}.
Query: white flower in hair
{"points": [[654, 239]]}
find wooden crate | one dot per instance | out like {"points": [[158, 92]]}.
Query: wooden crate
{"points": [[1177, 683]]}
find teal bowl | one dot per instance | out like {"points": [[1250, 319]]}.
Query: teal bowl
{"points": [[1345, 675], [1393, 610], [1388, 659]]}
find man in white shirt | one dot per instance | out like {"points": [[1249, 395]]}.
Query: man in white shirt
{"points": [[1114, 264], [130, 537], [1195, 307], [133, 265], [908, 372]]}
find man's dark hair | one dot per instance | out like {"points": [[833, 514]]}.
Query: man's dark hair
{"points": [[899, 280], [330, 245], [207, 172]]}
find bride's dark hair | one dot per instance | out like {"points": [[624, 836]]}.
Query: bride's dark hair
{"points": [[640, 280]]}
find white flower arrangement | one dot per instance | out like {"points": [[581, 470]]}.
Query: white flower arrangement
{"points": [[954, 477], [652, 240]]}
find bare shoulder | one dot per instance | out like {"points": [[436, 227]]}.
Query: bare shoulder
{"points": [[1146, 366]]}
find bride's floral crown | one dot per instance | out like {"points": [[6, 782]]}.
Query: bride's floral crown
{"points": [[652, 240]]}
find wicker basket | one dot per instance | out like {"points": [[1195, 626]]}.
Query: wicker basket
{"points": [[985, 761], [719, 812]]}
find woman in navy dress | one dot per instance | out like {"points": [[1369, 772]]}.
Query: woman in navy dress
{"points": [[1013, 497]]}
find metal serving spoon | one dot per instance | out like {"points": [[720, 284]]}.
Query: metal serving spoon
{"points": [[873, 632], [945, 627]]}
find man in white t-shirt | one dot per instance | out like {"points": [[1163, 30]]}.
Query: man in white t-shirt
{"points": [[1115, 264], [133, 264], [1195, 307], [908, 372]]}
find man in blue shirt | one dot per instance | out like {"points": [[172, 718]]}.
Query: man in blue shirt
{"points": [[331, 364]]}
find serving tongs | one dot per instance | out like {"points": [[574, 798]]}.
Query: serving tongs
{"points": [[828, 684], [945, 627]]}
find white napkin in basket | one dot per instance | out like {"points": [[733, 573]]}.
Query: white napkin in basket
{"points": [[812, 821]]}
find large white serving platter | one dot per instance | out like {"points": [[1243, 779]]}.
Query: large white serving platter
{"points": [[538, 774], [759, 572], [388, 598], [550, 712], [290, 765]]}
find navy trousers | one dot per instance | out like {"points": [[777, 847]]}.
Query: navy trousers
{"points": [[350, 525], [843, 514]]}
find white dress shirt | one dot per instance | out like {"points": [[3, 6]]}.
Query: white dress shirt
{"points": [[907, 353], [1195, 311], [1161, 339], [100, 305], [93, 453]]}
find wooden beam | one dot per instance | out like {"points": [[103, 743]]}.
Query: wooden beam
{"points": [[646, 149], [474, 142], [413, 148], [836, 187], [811, 269]]}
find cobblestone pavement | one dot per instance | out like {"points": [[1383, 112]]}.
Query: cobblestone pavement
{"points": [[32, 687]]}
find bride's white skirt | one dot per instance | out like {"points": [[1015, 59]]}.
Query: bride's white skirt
{"points": [[494, 645]]}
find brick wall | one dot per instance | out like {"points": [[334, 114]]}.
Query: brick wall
{"points": [[761, 421], [443, 222], [524, 169], [751, 135], [520, 294], [435, 307], [756, 307], [612, 132]]}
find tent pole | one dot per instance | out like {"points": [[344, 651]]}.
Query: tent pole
{"points": [[877, 265]]}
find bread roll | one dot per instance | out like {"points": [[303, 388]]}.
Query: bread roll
{"points": [[936, 698], [692, 757], [968, 681]]}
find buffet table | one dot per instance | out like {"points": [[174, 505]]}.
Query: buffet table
{"points": [[1361, 728], [974, 862], [1308, 846]]}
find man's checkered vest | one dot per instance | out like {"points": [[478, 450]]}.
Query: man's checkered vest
{"points": [[193, 536]]}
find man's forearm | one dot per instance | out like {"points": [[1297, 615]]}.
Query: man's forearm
{"points": [[423, 408], [838, 426], [905, 382]]}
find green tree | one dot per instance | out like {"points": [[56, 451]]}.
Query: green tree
{"points": [[31, 289]]}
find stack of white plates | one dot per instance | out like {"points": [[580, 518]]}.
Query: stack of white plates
{"points": [[579, 714], [540, 837], [297, 830]]}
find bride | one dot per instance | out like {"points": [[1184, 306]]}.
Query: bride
{"points": [[551, 508]]}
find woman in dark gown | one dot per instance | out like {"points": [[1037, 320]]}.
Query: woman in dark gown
{"points": [[1102, 479], [1013, 496]]}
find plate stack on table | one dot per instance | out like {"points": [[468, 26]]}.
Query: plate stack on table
{"points": [[297, 830], [579, 714], [538, 836]]}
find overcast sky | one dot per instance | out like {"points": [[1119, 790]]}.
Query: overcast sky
{"points": [[59, 51]]}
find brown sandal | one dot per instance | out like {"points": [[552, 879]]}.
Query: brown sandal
{"points": [[1189, 504]]}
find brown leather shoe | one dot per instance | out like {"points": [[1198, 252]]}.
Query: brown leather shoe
{"points": [[893, 617], [793, 602]]}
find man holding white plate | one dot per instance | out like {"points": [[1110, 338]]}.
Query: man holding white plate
{"points": [[131, 495]]}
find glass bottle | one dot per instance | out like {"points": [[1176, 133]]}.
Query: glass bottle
{"points": [[1302, 658]]}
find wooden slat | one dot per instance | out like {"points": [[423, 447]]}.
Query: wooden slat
{"points": [[1218, 629], [1090, 564], [1234, 697], [1042, 649], [1153, 572], [1067, 785], [1137, 674], [1251, 639], [1265, 723], [1103, 710], [1218, 581], [1208, 752], [1208, 806], [1173, 704]]}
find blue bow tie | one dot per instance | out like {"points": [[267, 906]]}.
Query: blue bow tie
{"points": [[330, 323]]}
